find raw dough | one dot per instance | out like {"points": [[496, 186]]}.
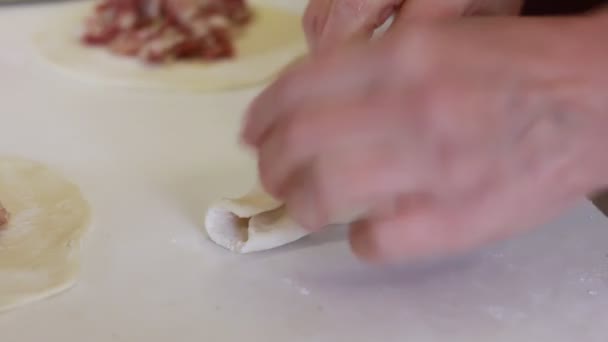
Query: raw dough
{"points": [[39, 246], [251, 223], [273, 40]]}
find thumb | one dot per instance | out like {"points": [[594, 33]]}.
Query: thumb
{"points": [[342, 21]]}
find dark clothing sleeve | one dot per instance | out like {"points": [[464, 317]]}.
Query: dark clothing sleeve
{"points": [[559, 7]]}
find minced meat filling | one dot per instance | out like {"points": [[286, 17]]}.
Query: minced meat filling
{"points": [[158, 31], [4, 216]]}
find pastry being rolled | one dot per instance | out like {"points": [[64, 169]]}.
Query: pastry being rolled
{"points": [[251, 223]]}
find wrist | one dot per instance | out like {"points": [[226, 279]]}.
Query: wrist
{"points": [[563, 66], [582, 93]]}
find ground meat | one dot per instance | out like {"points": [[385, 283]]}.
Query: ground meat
{"points": [[157, 31], [3, 216]]}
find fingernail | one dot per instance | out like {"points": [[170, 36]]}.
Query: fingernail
{"points": [[385, 14], [362, 243]]}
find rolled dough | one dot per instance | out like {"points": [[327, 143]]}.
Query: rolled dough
{"points": [[251, 223], [270, 42], [40, 244]]}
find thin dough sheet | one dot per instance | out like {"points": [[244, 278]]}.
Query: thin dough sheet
{"points": [[39, 247]]}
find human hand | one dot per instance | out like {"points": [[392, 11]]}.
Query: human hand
{"points": [[442, 135], [331, 22]]}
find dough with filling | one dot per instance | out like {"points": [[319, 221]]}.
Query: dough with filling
{"points": [[265, 47], [39, 245], [251, 223], [4, 216]]}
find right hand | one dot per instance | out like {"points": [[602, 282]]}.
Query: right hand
{"points": [[430, 146], [332, 22]]}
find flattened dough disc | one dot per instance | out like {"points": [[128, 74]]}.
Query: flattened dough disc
{"points": [[39, 246], [251, 223], [273, 40]]}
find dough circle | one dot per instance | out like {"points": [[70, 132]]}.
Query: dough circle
{"points": [[39, 247], [272, 41], [251, 223]]}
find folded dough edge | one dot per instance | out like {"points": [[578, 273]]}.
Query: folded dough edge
{"points": [[251, 223]]}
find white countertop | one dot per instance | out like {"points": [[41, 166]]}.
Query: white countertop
{"points": [[150, 162]]}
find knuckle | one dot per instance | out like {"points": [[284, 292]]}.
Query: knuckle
{"points": [[410, 58], [417, 48]]}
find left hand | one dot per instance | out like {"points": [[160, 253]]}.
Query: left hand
{"points": [[330, 23], [443, 135]]}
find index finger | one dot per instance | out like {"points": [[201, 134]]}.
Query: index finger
{"points": [[348, 73], [347, 20], [314, 20]]}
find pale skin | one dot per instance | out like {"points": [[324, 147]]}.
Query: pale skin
{"points": [[464, 124]]}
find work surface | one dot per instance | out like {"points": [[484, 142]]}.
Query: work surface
{"points": [[150, 162]]}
